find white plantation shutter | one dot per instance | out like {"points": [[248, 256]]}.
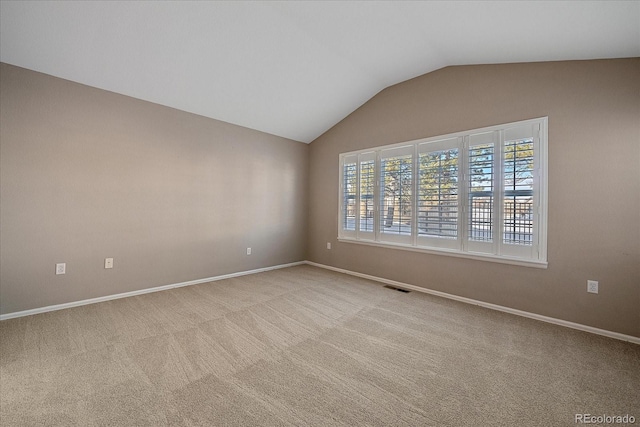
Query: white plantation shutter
{"points": [[481, 218], [519, 202], [480, 194], [357, 195], [396, 194], [349, 188], [438, 193], [366, 195]]}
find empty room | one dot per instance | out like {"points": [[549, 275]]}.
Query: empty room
{"points": [[317, 213]]}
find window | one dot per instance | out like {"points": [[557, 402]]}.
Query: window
{"points": [[367, 185], [349, 187], [478, 194], [438, 192], [396, 194]]}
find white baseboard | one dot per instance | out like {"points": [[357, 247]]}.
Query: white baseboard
{"points": [[553, 320], [140, 292]]}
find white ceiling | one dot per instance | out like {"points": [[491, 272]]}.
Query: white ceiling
{"points": [[295, 69]]}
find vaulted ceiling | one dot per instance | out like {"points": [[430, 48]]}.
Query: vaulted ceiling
{"points": [[295, 69]]}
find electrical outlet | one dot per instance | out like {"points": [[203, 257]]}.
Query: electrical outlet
{"points": [[328, 245], [592, 286], [61, 268], [248, 251], [108, 263]]}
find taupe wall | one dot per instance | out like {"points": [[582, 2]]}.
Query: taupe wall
{"points": [[88, 174], [594, 184]]}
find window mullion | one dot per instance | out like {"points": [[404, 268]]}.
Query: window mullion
{"points": [[341, 198], [376, 197], [537, 193], [357, 204], [466, 209], [463, 198], [415, 175], [498, 191]]}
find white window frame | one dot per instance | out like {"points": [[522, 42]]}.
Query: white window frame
{"points": [[496, 250], [436, 145], [380, 234]]}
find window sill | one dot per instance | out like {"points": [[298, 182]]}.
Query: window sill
{"points": [[449, 252]]}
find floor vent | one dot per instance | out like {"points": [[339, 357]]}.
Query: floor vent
{"points": [[406, 291]]}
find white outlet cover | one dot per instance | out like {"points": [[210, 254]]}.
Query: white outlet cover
{"points": [[108, 263], [328, 245], [61, 268], [592, 286], [248, 251]]}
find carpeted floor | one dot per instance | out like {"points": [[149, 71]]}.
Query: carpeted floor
{"points": [[305, 346]]}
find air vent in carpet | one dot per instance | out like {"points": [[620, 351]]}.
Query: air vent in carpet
{"points": [[406, 291]]}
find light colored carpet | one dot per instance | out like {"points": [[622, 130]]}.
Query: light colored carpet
{"points": [[305, 346]]}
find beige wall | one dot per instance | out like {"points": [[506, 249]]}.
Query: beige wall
{"points": [[87, 174], [594, 184]]}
